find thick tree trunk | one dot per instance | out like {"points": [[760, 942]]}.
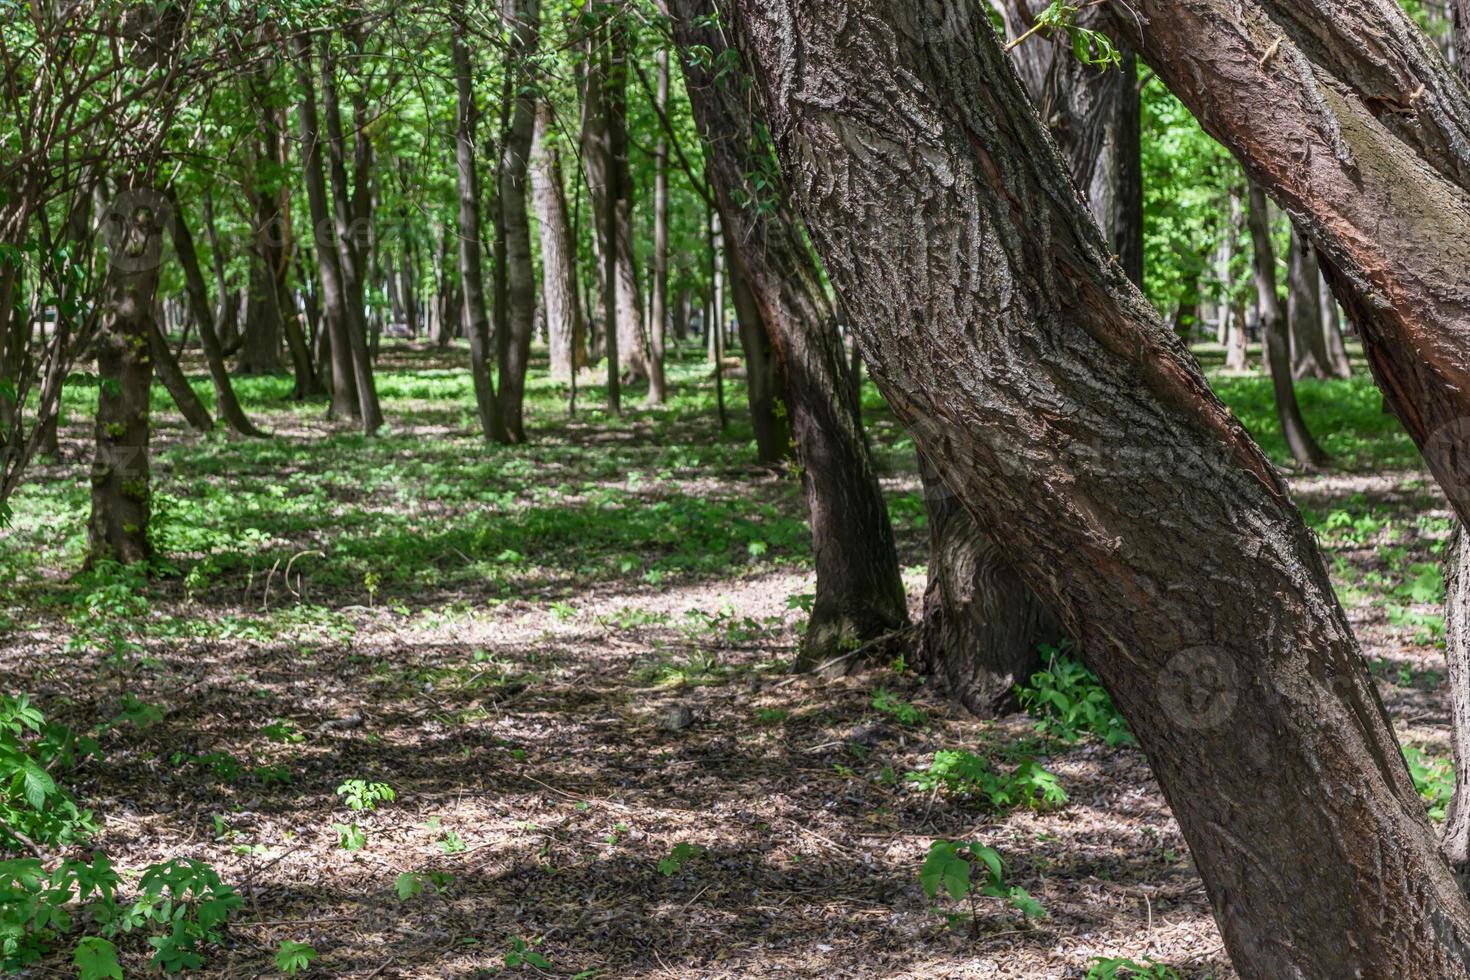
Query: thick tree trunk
{"points": [[197, 294], [1274, 340], [348, 230], [521, 19], [175, 383], [762, 379], [117, 529], [345, 401], [982, 626], [566, 332], [260, 351], [1304, 311], [1051, 399], [477, 320], [859, 592]]}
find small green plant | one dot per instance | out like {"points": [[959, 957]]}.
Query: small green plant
{"points": [[139, 714], [963, 773], [1119, 967], [108, 610], [96, 959], [350, 836], [452, 843], [1433, 778], [1090, 47], [412, 884], [523, 954], [897, 709], [360, 795], [950, 868], [187, 898], [34, 904], [1068, 701], [681, 855], [292, 957], [284, 731], [34, 810]]}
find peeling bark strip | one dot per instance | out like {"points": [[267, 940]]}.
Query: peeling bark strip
{"points": [[859, 594], [1053, 401], [1360, 130]]}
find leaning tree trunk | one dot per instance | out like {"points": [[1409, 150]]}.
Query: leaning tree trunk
{"points": [[1299, 440], [521, 19], [175, 382], [477, 320], [197, 295], [1052, 400], [1304, 310], [566, 333], [859, 593], [117, 529]]}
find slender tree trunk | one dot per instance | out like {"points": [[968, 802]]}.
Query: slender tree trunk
{"points": [[347, 228], [345, 400], [859, 592], [1304, 311], [197, 294], [1299, 440], [659, 301], [477, 320], [522, 20], [117, 529], [762, 379], [1051, 399], [174, 381], [1338, 364], [228, 328], [565, 329]]}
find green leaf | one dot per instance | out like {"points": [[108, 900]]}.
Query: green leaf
{"points": [[38, 784], [96, 959], [944, 868], [409, 885]]}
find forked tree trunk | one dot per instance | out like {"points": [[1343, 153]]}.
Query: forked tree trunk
{"points": [[1299, 440], [521, 19], [1052, 400], [477, 319], [566, 332], [117, 528], [859, 592]]}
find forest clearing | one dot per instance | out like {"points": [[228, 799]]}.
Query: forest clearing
{"points": [[735, 488]]}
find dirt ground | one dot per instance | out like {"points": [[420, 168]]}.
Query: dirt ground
{"points": [[549, 754]]}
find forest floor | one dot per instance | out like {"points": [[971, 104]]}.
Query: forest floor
{"points": [[567, 660]]}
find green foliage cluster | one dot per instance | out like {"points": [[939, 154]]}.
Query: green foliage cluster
{"points": [[951, 867], [963, 773], [1069, 702]]}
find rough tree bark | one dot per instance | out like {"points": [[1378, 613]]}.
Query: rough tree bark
{"points": [[1053, 401], [566, 332], [1274, 339], [522, 20], [859, 592], [117, 528], [345, 401]]}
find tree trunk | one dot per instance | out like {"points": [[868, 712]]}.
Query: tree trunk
{"points": [[1304, 311], [117, 529], [762, 381], [981, 626], [174, 381], [345, 400], [347, 227], [1299, 440], [229, 327], [659, 301], [859, 593], [1057, 406], [565, 329], [477, 320], [521, 19], [197, 294], [1338, 364], [260, 352]]}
